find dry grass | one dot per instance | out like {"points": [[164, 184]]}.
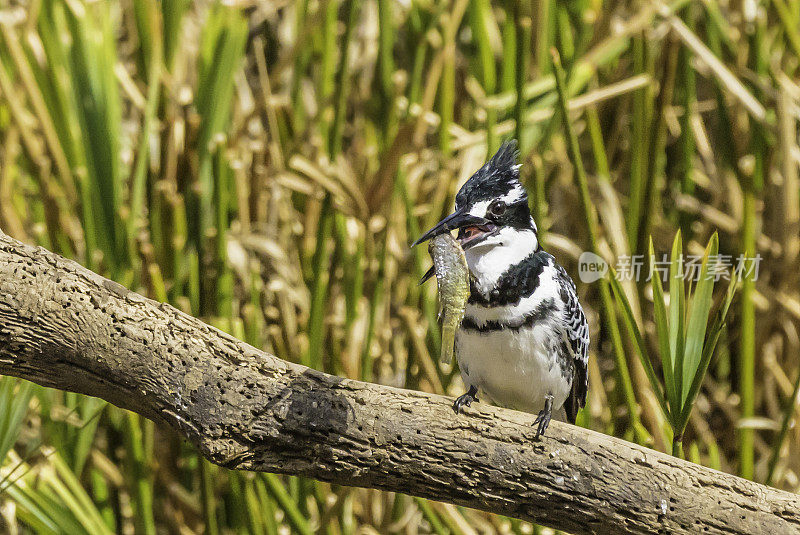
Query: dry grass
{"points": [[234, 161]]}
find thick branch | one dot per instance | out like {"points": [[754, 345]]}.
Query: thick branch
{"points": [[66, 327]]}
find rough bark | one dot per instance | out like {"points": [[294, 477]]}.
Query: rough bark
{"points": [[65, 327]]}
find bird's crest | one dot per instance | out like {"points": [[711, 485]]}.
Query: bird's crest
{"points": [[497, 176]]}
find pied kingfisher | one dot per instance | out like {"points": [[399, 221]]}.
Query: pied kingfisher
{"points": [[524, 338]]}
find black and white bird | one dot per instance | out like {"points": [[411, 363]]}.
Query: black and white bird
{"points": [[524, 339]]}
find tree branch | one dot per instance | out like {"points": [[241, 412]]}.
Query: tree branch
{"points": [[65, 327]]}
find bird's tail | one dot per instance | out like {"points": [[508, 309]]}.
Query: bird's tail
{"points": [[448, 342]]}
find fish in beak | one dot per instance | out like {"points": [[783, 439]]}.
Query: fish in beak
{"points": [[471, 230]]}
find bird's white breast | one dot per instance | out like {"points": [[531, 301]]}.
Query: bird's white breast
{"points": [[518, 367], [515, 368]]}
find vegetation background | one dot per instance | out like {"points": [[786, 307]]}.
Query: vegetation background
{"points": [[265, 165]]}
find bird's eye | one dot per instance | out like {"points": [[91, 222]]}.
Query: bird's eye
{"points": [[497, 208]]}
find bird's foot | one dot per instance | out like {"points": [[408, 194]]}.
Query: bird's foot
{"points": [[465, 399], [544, 417]]}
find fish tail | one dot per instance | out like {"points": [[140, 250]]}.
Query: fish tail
{"points": [[448, 341]]}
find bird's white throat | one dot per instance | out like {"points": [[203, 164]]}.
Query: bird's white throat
{"points": [[492, 257]]}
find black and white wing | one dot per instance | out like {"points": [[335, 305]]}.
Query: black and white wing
{"points": [[576, 332]]}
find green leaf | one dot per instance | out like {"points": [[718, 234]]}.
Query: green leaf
{"points": [[52, 499], [697, 322], [294, 517], [663, 335], [677, 314], [92, 59], [15, 395], [69, 488], [638, 341], [708, 352], [221, 51]]}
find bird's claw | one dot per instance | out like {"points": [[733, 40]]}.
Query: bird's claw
{"points": [[543, 420], [465, 399], [544, 417]]}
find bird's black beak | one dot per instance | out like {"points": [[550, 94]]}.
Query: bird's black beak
{"points": [[457, 220]]}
